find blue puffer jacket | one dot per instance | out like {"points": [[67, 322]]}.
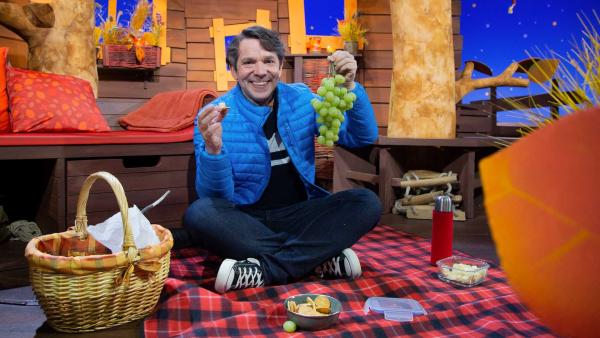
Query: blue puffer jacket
{"points": [[242, 170]]}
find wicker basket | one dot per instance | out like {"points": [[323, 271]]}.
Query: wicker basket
{"points": [[83, 287], [124, 56]]}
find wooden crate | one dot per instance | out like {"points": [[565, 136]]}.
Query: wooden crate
{"points": [[124, 56]]}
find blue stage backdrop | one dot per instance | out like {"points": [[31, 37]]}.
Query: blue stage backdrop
{"points": [[497, 38]]}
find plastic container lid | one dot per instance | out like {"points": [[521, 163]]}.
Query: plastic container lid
{"points": [[398, 316], [388, 304]]}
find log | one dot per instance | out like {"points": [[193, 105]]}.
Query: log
{"points": [[58, 34], [422, 92]]}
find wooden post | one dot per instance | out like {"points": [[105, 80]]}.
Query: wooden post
{"points": [[422, 93]]}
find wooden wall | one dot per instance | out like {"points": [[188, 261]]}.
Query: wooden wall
{"points": [[192, 52]]}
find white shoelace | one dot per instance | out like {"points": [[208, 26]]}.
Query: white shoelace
{"points": [[332, 266], [248, 277]]}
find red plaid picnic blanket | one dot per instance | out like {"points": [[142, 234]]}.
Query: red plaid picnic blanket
{"points": [[394, 264]]}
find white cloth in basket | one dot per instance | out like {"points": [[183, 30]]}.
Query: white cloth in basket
{"points": [[110, 232]]}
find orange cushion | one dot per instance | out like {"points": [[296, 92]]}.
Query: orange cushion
{"points": [[43, 102], [4, 120]]}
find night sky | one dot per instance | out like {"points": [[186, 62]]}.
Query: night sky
{"points": [[496, 38]]}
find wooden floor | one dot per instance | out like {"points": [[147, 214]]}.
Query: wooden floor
{"points": [[472, 237]]}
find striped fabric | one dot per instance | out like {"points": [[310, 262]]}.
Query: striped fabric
{"points": [[394, 264]]}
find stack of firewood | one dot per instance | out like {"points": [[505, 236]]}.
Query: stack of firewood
{"points": [[421, 187]]}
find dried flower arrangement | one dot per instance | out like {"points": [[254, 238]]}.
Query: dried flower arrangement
{"points": [[351, 30], [109, 32]]}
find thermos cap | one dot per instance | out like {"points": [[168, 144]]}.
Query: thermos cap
{"points": [[443, 204]]}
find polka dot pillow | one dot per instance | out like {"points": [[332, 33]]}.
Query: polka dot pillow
{"points": [[44, 102]]}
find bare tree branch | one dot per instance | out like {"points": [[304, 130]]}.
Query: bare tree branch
{"points": [[466, 84]]}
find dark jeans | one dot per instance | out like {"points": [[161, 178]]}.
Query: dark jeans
{"points": [[289, 242]]}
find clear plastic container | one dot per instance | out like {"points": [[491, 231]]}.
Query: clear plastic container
{"points": [[462, 271], [396, 309]]}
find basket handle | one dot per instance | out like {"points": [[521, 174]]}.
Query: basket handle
{"points": [[81, 221]]}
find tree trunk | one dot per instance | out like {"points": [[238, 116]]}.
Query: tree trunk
{"points": [[59, 36], [422, 94]]}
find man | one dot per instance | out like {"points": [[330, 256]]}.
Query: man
{"points": [[258, 205]]}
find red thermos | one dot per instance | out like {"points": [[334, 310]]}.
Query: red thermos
{"points": [[442, 231]]}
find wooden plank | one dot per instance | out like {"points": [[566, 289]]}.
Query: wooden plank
{"points": [[379, 41], [135, 181], [17, 51], [198, 22], [112, 109], [377, 23], [129, 165], [282, 9], [172, 69], [377, 59], [165, 215], [379, 94], [129, 89], [344, 161], [176, 5], [198, 35], [176, 38], [381, 113], [284, 26], [377, 78], [201, 51], [8, 34], [201, 64], [233, 9], [381, 7], [179, 55], [176, 20], [199, 75], [363, 177], [206, 23], [208, 85], [456, 9], [107, 201]]}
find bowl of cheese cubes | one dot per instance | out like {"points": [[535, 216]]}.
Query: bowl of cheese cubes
{"points": [[462, 271]]}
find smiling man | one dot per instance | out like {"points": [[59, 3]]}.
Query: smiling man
{"points": [[258, 206]]}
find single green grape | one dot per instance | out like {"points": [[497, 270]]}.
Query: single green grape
{"points": [[329, 143], [339, 79], [323, 129], [316, 103], [322, 91], [289, 326], [329, 85]]}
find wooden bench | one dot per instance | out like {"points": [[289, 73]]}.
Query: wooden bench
{"points": [[382, 165], [42, 182]]}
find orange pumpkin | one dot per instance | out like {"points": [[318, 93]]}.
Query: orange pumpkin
{"points": [[542, 198]]}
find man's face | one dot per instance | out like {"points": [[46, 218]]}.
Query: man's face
{"points": [[258, 71]]}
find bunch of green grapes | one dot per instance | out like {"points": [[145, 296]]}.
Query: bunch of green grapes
{"points": [[335, 100]]}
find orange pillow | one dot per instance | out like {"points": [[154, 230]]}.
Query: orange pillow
{"points": [[4, 120], [43, 102]]}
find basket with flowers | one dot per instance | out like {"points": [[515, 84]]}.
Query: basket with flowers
{"points": [[135, 46]]}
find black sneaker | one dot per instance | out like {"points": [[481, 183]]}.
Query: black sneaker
{"points": [[344, 265], [235, 275]]}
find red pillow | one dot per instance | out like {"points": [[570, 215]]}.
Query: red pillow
{"points": [[4, 121], [43, 102]]}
